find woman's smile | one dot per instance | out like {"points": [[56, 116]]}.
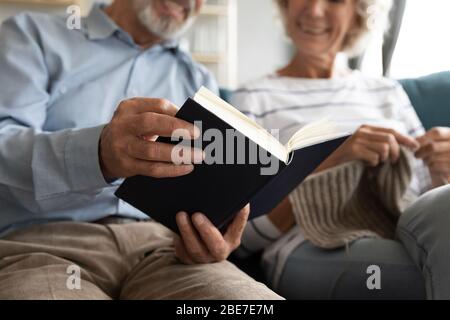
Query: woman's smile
{"points": [[313, 30]]}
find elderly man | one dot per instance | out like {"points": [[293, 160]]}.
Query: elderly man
{"points": [[63, 151]]}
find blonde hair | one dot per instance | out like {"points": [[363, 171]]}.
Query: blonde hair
{"points": [[373, 16]]}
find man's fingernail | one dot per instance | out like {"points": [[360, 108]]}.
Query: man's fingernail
{"points": [[196, 132], [182, 217], [199, 156], [199, 219], [148, 138]]}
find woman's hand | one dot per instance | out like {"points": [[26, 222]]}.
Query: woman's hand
{"points": [[373, 145], [435, 152]]}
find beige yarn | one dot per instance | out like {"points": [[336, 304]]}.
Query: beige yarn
{"points": [[342, 204]]}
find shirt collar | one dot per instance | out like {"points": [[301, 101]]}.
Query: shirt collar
{"points": [[98, 25]]}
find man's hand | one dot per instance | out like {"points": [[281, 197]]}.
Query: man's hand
{"points": [[435, 152], [202, 242], [127, 143], [373, 145]]}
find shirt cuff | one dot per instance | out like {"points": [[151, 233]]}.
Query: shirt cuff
{"points": [[82, 159], [259, 233]]}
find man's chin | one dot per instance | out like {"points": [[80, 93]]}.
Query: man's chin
{"points": [[167, 32], [163, 25], [166, 10]]}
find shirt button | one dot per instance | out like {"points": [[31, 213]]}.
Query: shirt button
{"points": [[63, 89], [134, 92]]}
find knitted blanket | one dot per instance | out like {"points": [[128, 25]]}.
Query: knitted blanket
{"points": [[344, 203]]}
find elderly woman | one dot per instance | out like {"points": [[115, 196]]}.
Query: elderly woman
{"points": [[384, 123]]}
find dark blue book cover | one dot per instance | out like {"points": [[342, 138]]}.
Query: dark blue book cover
{"points": [[220, 190]]}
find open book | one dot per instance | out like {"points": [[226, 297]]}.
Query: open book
{"points": [[243, 163], [310, 134]]}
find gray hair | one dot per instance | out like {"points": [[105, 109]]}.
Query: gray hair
{"points": [[374, 18]]}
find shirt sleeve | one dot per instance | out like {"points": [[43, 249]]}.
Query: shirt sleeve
{"points": [[41, 170], [210, 82], [258, 234], [404, 112]]}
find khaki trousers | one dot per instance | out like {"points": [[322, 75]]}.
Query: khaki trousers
{"points": [[114, 261]]}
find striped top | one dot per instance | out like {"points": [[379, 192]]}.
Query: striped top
{"points": [[287, 104]]}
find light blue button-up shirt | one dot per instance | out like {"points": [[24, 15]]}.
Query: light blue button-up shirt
{"points": [[58, 88]]}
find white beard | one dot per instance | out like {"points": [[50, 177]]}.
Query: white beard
{"points": [[165, 27]]}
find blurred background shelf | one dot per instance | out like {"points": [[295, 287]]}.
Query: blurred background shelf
{"points": [[212, 40], [214, 10], [208, 58]]}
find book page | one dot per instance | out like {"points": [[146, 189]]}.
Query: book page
{"points": [[241, 122], [314, 133]]}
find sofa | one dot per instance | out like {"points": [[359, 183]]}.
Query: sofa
{"points": [[430, 96]]}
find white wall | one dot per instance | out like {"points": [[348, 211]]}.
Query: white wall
{"points": [[261, 44], [423, 45]]}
